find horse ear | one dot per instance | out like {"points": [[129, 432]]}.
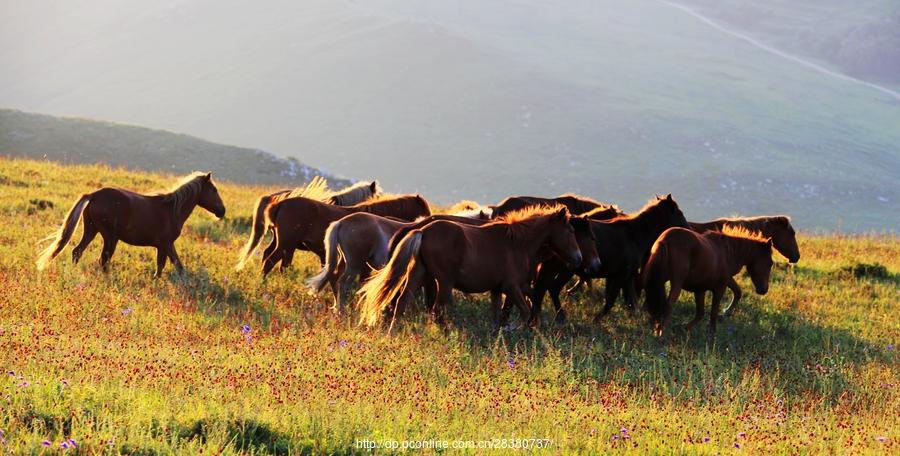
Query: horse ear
{"points": [[373, 186], [562, 212], [208, 176], [669, 197], [769, 241]]}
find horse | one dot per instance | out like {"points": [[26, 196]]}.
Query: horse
{"points": [[143, 220], [622, 244], [300, 223], [700, 262], [496, 257], [317, 189], [358, 243], [576, 204], [777, 227]]}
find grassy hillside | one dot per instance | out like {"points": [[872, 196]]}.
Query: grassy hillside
{"points": [[613, 98], [74, 140], [124, 363], [859, 37]]}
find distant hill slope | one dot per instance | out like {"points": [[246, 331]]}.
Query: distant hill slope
{"points": [[618, 99], [73, 140]]}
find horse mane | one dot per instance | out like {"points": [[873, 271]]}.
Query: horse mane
{"points": [[518, 222], [316, 189], [389, 197], [355, 194], [464, 205], [743, 233], [582, 198], [473, 213], [187, 188]]}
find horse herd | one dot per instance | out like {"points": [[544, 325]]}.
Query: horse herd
{"points": [[521, 249]]}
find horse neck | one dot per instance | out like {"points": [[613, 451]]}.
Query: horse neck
{"points": [[530, 237], [187, 205], [646, 227], [739, 251]]}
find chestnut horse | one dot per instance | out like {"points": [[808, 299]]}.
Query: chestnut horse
{"points": [[701, 262], [622, 244], [142, 220], [576, 204], [496, 257], [317, 190], [358, 243], [777, 227], [300, 223]]}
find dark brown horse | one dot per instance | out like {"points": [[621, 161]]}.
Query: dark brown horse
{"points": [[496, 257], [700, 263], [358, 243], [317, 190], [777, 227], [622, 244], [576, 204], [143, 220], [300, 223]]}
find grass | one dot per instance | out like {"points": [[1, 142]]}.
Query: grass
{"points": [[123, 363]]}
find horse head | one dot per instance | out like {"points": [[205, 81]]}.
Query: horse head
{"points": [[209, 198]]}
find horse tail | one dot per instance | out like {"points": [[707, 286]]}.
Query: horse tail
{"points": [[654, 281], [332, 256], [62, 236], [397, 237], [258, 229], [387, 285]]}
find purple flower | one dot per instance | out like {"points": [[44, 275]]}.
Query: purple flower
{"points": [[24, 384], [126, 311], [705, 439], [343, 343], [881, 438], [742, 434], [72, 442], [737, 445], [12, 373], [615, 437], [46, 443], [245, 329], [623, 430], [890, 347], [64, 445], [511, 363], [64, 382]]}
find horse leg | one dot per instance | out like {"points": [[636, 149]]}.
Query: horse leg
{"points": [[556, 286], [736, 291], [161, 256], [430, 288], [699, 297], [270, 248], [287, 255], [613, 286], [270, 261], [109, 248], [443, 302], [173, 257], [714, 312], [343, 284], [497, 309], [674, 293], [630, 292], [518, 298], [90, 232]]}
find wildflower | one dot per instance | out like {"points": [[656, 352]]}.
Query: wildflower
{"points": [[511, 363], [245, 329], [46, 443], [72, 443], [881, 438], [12, 373], [126, 311], [24, 384], [737, 445], [890, 347], [662, 354], [64, 382], [742, 434], [706, 439], [623, 430], [343, 343], [64, 445]]}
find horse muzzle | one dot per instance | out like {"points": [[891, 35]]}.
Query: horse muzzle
{"points": [[575, 261], [762, 290], [594, 267]]}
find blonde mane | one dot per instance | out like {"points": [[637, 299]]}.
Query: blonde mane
{"points": [[187, 188], [744, 233], [519, 221], [316, 189]]}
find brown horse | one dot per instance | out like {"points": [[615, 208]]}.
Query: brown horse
{"points": [[778, 228], [622, 244], [142, 220], [701, 262], [358, 243], [300, 223], [496, 257], [317, 190], [576, 204]]}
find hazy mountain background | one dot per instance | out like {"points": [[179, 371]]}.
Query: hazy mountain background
{"points": [[617, 99]]}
